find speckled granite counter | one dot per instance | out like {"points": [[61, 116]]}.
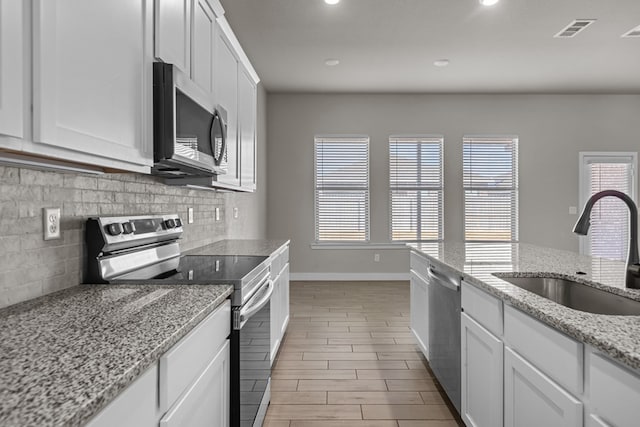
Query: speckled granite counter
{"points": [[65, 356], [240, 247], [617, 336]]}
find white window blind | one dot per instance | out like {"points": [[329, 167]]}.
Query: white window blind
{"points": [[490, 179], [342, 189], [415, 181], [609, 232]]}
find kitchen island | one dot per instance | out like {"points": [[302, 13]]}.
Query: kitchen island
{"points": [[524, 359]]}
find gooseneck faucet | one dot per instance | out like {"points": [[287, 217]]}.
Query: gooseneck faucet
{"points": [[632, 277]]}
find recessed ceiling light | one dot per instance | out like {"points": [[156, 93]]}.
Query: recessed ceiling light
{"points": [[441, 62], [331, 62], [488, 2], [332, 1]]}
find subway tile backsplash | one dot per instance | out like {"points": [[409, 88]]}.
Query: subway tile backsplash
{"points": [[31, 267]]}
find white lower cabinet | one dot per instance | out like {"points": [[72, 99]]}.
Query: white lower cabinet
{"points": [[419, 314], [206, 403], [279, 317], [134, 407], [189, 386], [482, 380], [532, 399]]}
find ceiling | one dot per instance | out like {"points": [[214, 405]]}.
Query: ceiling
{"points": [[390, 45]]}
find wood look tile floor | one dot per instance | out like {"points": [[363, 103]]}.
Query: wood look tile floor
{"points": [[348, 359]]}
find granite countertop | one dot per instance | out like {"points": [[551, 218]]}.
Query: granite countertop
{"points": [[617, 336], [240, 247], [65, 356]]}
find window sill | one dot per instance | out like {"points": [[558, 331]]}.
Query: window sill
{"points": [[358, 246]]}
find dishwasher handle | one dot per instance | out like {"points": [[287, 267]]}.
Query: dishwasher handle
{"points": [[443, 279]]}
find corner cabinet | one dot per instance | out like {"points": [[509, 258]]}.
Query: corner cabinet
{"points": [[91, 78]]}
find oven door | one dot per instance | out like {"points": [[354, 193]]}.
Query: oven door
{"points": [[250, 359]]}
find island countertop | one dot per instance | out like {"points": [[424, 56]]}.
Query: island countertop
{"points": [[66, 355], [616, 336], [246, 247]]}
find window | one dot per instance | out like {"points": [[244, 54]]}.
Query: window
{"points": [[490, 179], [609, 231], [342, 189], [415, 181]]}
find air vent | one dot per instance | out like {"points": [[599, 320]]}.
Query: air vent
{"points": [[574, 28], [635, 32]]}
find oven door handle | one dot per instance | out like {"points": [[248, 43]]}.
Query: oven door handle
{"points": [[253, 307]]}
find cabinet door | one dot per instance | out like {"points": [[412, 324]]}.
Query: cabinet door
{"points": [[206, 403], [419, 312], [173, 33], [226, 94], [284, 300], [11, 68], [202, 38], [247, 104], [533, 400], [92, 70], [482, 370], [274, 317]]}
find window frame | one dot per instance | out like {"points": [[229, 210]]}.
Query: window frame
{"points": [[583, 185], [416, 187], [318, 139], [515, 208]]}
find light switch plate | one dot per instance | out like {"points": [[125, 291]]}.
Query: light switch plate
{"points": [[573, 210], [51, 223], [217, 214]]}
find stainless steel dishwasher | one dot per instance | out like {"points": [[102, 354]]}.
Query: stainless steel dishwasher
{"points": [[444, 329]]}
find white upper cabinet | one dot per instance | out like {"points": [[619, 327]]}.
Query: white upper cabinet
{"points": [[92, 80], [203, 36], [226, 94], [247, 102], [173, 33], [11, 68]]}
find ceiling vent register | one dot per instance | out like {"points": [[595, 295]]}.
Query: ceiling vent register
{"points": [[574, 28], [634, 32]]}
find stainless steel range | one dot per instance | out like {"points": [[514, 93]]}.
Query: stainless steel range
{"points": [[145, 249]]}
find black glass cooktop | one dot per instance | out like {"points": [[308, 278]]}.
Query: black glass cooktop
{"points": [[205, 269]]}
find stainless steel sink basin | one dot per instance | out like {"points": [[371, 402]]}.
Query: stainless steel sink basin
{"points": [[577, 295]]}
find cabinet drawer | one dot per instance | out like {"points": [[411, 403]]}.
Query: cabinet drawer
{"points": [[279, 260], [554, 353], [186, 360], [615, 392], [206, 403], [483, 308], [420, 266]]}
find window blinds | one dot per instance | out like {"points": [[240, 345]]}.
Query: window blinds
{"points": [[609, 232], [490, 179], [342, 189], [415, 181]]}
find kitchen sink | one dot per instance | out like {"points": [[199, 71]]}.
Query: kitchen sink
{"points": [[576, 295]]}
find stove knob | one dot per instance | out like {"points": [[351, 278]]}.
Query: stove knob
{"points": [[178, 222], [170, 223], [114, 229], [127, 227]]}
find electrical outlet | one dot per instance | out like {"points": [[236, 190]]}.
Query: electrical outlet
{"points": [[573, 210], [190, 216], [235, 213], [376, 257], [217, 214], [51, 223]]}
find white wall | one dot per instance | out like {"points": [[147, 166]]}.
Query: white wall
{"points": [[552, 130]]}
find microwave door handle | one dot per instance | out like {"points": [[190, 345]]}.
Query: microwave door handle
{"points": [[218, 157]]}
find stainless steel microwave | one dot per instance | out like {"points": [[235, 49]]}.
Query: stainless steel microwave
{"points": [[189, 130]]}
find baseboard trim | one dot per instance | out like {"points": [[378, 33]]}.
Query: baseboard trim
{"points": [[321, 277]]}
